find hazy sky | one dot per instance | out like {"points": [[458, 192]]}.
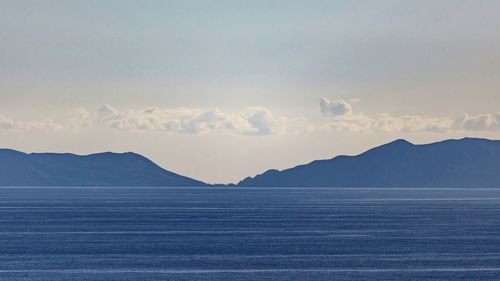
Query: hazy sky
{"points": [[221, 90]]}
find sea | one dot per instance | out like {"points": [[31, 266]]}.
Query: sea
{"points": [[249, 234]]}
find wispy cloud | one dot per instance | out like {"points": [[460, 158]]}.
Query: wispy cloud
{"points": [[480, 122], [339, 115], [251, 121], [7, 123], [334, 108]]}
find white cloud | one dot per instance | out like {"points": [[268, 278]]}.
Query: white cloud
{"points": [[351, 122], [263, 122], [482, 122], [388, 123], [107, 110], [81, 119], [258, 121], [342, 117], [252, 121], [44, 124], [411, 123], [333, 108], [6, 123]]}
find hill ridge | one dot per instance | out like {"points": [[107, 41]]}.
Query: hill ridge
{"points": [[463, 163]]}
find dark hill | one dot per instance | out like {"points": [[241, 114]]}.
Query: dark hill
{"points": [[466, 162], [102, 169]]}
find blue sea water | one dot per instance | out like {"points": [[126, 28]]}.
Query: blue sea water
{"points": [[249, 234]]}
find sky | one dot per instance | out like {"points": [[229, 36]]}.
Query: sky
{"points": [[222, 90]]}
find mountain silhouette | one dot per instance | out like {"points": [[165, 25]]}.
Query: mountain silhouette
{"points": [[468, 162], [102, 169]]}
